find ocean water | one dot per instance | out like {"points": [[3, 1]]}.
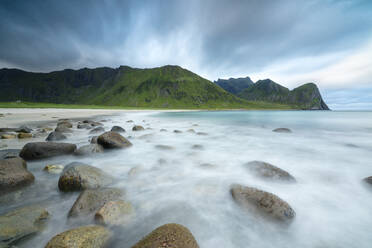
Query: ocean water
{"points": [[329, 153]]}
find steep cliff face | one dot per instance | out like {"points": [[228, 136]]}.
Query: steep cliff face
{"points": [[234, 85], [308, 97]]}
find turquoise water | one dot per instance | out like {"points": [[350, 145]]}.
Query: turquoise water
{"points": [[329, 153]]}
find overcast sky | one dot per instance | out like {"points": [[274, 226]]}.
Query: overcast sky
{"points": [[328, 42]]}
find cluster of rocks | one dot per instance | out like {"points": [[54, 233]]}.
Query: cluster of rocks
{"points": [[22, 132]]}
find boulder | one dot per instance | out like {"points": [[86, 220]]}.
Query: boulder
{"points": [[55, 136], [89, 149], [269, 204], [138, 128], [91, 200], [112, 140], [282, 130], [269, 171], [117, 129], [9, 153], [14, 174], [168, 235], [64, 123], [24, 135], [53, 168], [92, 236], [21, 222], [78, 176], [39, 150], [114, 213], [97, 130]]}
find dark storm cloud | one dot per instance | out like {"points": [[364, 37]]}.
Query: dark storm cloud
{"points": [[215, 38]]}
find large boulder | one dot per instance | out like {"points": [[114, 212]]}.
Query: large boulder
{"points": [[78, 176], [111, 140], [82, 237], [168, 235], [257, 200], [114, 213], [117, 129], [89, 149], [14, 174], [55, 136], [21, 222], [91, 200], [39, 150], [269, 171]]}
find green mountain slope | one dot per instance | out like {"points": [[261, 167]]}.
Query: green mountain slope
{"points": [[234, 85], [306, 96], [162, 87]]}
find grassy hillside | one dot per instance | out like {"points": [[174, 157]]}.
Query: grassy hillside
{"points": [[162, 87]]}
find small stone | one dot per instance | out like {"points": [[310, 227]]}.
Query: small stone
{"points": [[164, 147], [282, 130], [138, 128], [191, 131], [201, 133], [53, 168], [24, 135], [163, 130], [177, 131], [8, 136], [117, 129]]}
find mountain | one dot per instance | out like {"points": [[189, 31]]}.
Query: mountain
{"points": [[234, 85], [306, 96], [162, 87]]}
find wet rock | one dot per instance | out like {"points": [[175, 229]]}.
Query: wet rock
{"points": [[9, 153], [24, 129], [55, 136], [163, 130], [8, 136], [93, 140], [146, 136], [95, 124], [21, 222], [138, 128], [117, 129], [168, 235], [63, 129], [129, 121], [164, 147], [91, 200], [269, 171], [97, 130], [89, 149], [191, 131], [24, 135], [47, 129], [254, 199], [113, 140], [195, 125], [368, 180], [14, 174], [282, 130], [208, 165], [201, 133], [177, 131], [78, 176], [92, 236], [39, 150], [7, 129], [115, 213], [65, 124], [84, 126], [53, 168]]}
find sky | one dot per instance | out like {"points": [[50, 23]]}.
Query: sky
{"points": [[328, 42]]}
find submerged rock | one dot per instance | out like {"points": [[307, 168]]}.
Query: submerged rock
{"points": [[138, 128], [89, 149], [92, 236], [177, 131], [254, 199], [55, 136], [163, 130], [65, 124], [97, 130], [63, 129], [114, 213], [168, 235], [197, 147], [269, 171], [38, 150], [53, 168], [164, 147], [91, 200], [21, 222], [201, 133], [84, 126], [117, 129], [112, 140], [93, 140], [14, 174], [191, 131], [9, 153], [78, 176], [282, 130], [368, 180]]}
